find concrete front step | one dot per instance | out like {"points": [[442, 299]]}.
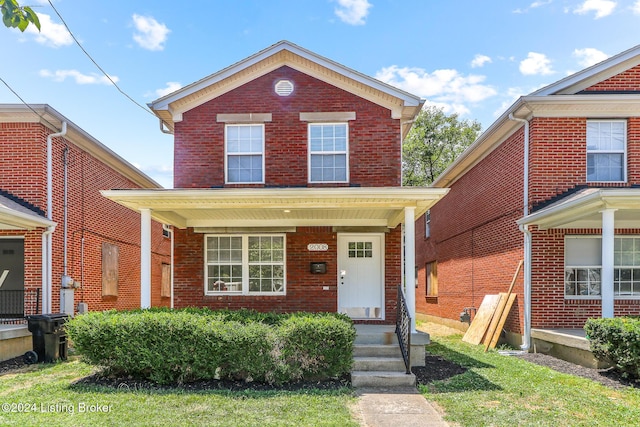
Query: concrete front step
{"points": [[378, 364], [382, 379], [376, 350]]}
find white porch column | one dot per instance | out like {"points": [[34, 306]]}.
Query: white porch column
{"points": [[410, 263], [606, 276], [145, 258]]}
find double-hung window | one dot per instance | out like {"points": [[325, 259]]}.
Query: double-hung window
{"points": [[328, 148], [245, 264], [244, 150], [606, 150], [583, 266]]}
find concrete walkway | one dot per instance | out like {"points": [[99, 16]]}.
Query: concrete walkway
{"points": [[396, 407]]}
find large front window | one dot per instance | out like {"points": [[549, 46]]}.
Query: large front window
{"points": [[244, 264], [244, 147], [583, 266], [606, 144], [328, 161]]}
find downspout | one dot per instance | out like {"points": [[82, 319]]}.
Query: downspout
{"points": [[46, 281], [526, 344]]}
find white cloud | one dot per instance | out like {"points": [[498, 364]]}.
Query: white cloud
{"points": [[534, 5], [352, 12], [81, 79], [589, 56], [51, 33], [536, 64], [447, 89], [171, 87], [601, 8], [151, 34], [480, 60], [636, 7]]}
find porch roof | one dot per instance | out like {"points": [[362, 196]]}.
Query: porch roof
{"points": [[277, 207], [583, 209], [14, 216]]}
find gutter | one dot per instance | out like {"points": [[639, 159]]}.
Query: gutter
{"points": [[526, 344]]}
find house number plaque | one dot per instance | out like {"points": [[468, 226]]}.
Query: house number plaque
{"points": [[317, 247]]}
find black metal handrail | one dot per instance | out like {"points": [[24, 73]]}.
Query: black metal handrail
{"points": [[17, 304], [403, 329]]}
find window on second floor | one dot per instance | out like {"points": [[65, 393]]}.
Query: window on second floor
{"points": [[606, 150], [244, 152], [427, 224], [328, 148]]}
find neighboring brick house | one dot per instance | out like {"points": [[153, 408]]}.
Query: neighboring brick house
{"points": [[569, 206], [287, 190], [80, 247]]}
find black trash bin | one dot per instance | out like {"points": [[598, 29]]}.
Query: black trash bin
{"points": [[49, 337]]}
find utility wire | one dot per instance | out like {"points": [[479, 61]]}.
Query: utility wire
{"points": [[28, 105], [95, 63]]}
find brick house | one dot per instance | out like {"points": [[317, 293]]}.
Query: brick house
{"points": [[287, 188], [554, 181], [62, 243]]}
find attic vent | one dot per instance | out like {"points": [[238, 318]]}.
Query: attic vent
{"points": [[284, 87]]}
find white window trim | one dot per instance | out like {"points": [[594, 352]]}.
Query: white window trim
{"points": [[227, 154], [598, 297], [245, 266], [624, 153], [309, 153]]}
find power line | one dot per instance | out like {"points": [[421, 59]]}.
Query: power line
{"points": [[95, 63], [28, 105]]}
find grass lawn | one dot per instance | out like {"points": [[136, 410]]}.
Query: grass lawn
{"points": [[44, 395], [507, 391]]}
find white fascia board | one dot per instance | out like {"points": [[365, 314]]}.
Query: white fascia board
{"points": [[163, 103], [594, 74]]}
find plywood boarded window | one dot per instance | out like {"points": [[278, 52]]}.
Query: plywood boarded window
{"points": [[110, 262], [165, 290], [432, 279]]}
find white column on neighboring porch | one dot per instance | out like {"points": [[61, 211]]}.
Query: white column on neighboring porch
{"points": [[410, 263], [145, 258], [606, 276]]}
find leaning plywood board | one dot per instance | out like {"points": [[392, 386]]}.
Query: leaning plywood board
{"points": [[481, 320], [502, 302], [501, 321]]}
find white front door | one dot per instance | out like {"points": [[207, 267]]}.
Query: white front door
{"points": [[360, 275]]}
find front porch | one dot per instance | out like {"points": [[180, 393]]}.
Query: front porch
{"points": [[566, 344]]}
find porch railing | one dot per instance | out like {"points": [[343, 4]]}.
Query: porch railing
{"points": [[403, 329], [15, 305]]}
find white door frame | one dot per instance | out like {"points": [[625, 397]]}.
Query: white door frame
{"points": [[342, 253]]}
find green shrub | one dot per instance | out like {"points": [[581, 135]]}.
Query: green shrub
{"points": [[197, 344], [617, 342]]}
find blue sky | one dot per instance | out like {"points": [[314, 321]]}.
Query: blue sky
{"points": [[470, 57]]}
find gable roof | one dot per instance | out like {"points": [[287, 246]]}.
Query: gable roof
{"points": [[170, 108], [15, 215], [52, 119], [564, 98]]}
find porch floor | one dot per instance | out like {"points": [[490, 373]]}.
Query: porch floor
{"points": [[566, 344]]}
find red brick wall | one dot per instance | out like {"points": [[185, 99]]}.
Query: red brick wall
{"points": [[374, 138], [625, 81], [90, 217], [474, 237], [304, 291]]}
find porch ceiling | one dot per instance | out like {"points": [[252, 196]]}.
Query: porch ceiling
{"points": [[268, 207], [584, 209]]}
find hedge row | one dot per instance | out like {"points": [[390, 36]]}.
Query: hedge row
{"points": [[617, 342], [192, 344]]}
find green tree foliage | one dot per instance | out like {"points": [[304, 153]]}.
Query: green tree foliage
{"points": [[16, 16], [434, 141]]}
